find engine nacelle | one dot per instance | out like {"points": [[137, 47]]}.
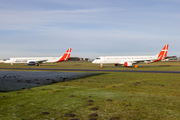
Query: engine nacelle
{"points": [[127, 64], [31, 63], [116, 64]]}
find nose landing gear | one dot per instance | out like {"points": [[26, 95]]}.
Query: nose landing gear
{"points": [[101, 65]]}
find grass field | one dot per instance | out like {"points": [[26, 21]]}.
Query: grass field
{"points": [[126, 96]]}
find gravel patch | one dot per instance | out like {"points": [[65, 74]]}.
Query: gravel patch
{"points": [[18, 80]]}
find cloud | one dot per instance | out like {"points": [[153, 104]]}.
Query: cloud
{"points": [[91, 28], [28, 19], [90, 19]]}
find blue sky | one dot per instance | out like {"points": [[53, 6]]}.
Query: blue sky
{"points": [[90, 27]]}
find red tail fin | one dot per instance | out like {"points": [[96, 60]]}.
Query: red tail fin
{"points": [[163, 52], [65, 56]]}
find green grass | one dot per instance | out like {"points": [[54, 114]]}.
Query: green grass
{"points": [[136, 96]]}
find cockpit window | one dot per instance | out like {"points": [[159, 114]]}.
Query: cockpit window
{"points": [[98, 58]]}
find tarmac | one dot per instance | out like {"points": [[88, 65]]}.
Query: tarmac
{"points": [[92, 70]]}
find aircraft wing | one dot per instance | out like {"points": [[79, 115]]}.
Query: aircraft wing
{"points": [[143, 61], [138, 61]]}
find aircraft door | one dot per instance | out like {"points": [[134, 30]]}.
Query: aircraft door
{"points": [[104, 59]]}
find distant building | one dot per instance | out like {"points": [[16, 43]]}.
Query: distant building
{"points": [[74, 59], [78, 59], [84, 59]]}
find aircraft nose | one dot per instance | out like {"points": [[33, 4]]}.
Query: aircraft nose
{"points": [[93, 61], [5, 61]]}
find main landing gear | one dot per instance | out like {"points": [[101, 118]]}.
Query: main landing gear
{"points": [[135, 66], [101, 65]]}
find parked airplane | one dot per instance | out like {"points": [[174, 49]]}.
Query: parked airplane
{"points": [[131, 60], [39, 60]]}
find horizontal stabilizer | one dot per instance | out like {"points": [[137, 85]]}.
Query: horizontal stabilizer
{"points": [[169, 57]]}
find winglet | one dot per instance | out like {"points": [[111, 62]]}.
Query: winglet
{"points": [[65, 56]]}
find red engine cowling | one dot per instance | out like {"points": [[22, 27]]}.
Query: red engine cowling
{"points": [[127, 64]]}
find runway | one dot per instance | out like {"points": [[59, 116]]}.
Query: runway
{"points": [[92, 70]]}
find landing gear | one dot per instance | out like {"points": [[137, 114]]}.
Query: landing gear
{"points": [[101, 65], [38, 64]]}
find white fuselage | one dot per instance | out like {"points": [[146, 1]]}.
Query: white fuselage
{"points": [[39, 60], [29, 59], [132, 60], [123, 59]]}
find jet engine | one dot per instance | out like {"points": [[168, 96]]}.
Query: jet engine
{"points": [[127, 64], [31, 63], [116, 64]]}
